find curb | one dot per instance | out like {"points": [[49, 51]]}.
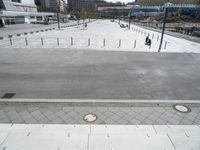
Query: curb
{"points": [[106, 101]]}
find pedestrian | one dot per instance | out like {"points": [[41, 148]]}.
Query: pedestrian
{"points": [[146, 40], [85, 25], [149, 42]]}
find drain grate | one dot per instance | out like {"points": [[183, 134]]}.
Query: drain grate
{"points": [[182, 108], [90, 117], [8, 95]]}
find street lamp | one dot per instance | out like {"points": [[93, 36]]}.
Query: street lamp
{"points": [[58, 16], [129, 17], [164, 22]]}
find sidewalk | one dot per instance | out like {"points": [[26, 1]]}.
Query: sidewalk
{"points": [[106, 113], [98, 137]]}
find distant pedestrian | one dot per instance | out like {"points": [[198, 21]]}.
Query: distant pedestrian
{"points": [[146, 40], [85, 25], [149, 42]]}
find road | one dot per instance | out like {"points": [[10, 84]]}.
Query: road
{"points": [[21, 28], [81, 74]]}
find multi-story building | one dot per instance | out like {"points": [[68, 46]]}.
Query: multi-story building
{"points": [[78, 5], [147, 8], [113, 11], [51, 5], [161, 2], [13, 12]]}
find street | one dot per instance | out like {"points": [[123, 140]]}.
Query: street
{"points": [[74, 74]]}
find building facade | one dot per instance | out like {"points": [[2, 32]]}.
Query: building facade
{"points": [[51, 5], [78, 5], [12, 12], [153, 8], [161, 2]]}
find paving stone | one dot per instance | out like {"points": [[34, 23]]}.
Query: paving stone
{"points": [[115, 117], [152, 117], [197, 121], [36, 113], [102, 109], [147, 122], [25, 114], [48, 113], [2, 114], [134, 121], [30, 120], [9, 108], [186, 122], [67, 109], [114, 109], [20, 113], [5, 120]]}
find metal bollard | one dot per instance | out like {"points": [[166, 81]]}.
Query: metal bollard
{"points": [[135, 44], [165, 45], [157, 37], [42, 41], [119, 43], [26, 41], [58, 43], [104, 42], [88, 41], [71, 41], [10, 41]]}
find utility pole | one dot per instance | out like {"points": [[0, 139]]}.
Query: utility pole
{"points": [[129, 26], [58, 14], [163, 29]]}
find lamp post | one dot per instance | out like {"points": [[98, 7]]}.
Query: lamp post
{"points": [[164, 23], [58, 15], [129, 21]]}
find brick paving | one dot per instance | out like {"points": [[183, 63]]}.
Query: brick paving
{"points": [[64, 113]]}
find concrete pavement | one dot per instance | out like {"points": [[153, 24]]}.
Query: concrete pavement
{"points": [[96, 137], [76, 74]]}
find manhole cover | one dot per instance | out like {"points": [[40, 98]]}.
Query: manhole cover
{"points": [[90, 117], [182, 108]]}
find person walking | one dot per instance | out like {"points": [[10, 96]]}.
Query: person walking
{"points": [[146, 40]]}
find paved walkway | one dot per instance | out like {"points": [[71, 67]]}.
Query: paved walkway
{"points": [[73, 113], [175, 34], [96, 137]]}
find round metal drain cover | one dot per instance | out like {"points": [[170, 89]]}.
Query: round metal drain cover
{"points": [[182, 108], [90, 117]]}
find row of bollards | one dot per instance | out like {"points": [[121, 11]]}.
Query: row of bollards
{"points": [[72, 43], [144, 32], [89, 42]]}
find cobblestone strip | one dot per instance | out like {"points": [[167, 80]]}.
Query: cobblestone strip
{"points": [[63, 113]]}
